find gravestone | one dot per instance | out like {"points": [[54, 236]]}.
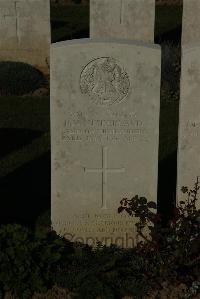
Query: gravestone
{"points": [[127, 19], [191, 22], [105, 124], [189, 120], [25, 32]]}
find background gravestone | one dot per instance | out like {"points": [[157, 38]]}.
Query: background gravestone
{"points": [[191, 22], [128, 19], [25, 32], [189, 122], [105, 100]]}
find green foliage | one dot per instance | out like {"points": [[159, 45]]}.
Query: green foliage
{"points": [[176, 247], [27, 263], [17, 78], [33, 262], [114, 272], [30, 264]]}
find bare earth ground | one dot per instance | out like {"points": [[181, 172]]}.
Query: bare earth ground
{"points": [[168, 292]]}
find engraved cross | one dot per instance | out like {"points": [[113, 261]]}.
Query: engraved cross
{"points": [[17, 21], [121, 11], [104, 170], [16, 16]]}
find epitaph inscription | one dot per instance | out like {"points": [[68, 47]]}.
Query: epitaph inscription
{"points": [[192, 128], [105, 81], [104, 228]]}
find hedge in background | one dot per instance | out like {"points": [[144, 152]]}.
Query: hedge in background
{"points": [[18, 78]]}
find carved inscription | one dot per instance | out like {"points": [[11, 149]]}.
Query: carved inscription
{"points": [[121, 11], [17, 21], [104, 81], [192, 128], [103, 228], [80, 128], [16, 17]]}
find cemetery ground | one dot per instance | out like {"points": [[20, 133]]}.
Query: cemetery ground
{"points": [[35, 260]]}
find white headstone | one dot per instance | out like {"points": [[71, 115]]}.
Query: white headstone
{"points": [[191, 22], [128, 19], [105, 100], [189, 120], [25, 32]]}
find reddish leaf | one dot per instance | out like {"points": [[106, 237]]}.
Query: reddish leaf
{"points": [[120, 209]]}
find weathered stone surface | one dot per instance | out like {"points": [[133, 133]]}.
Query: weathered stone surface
{"points": [[105, 123], [191, 22], [189, 120], [128, 19], [25, 32]]}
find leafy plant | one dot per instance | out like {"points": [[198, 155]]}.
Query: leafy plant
{"points": [[27, 263], [176, 247], [33, 261]]}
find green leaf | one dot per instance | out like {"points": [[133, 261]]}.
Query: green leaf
{"points": [[152, 205]]}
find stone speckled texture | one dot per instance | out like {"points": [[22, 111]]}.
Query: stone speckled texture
{"points": [[105, 98], [191, 22], [129, 19], [189, 121], [25, 32]]}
